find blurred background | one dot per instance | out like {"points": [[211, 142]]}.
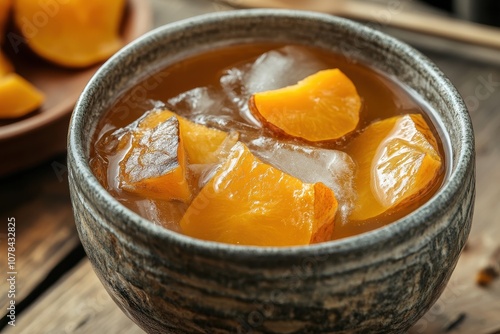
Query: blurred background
{"points": [[57, 291]]}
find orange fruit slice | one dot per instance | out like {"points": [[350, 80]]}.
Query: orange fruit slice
{"points": [[200, 142], [18, 96], [323, 106], [72, 33], [248, 202], [154, 166], [397, 159]]}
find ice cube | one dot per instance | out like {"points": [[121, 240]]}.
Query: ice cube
{"points": [[280, 68], [333, 168], [200, 101], [202, 173], [206, 106], [233, 85], [163, 213], [272, 70]]}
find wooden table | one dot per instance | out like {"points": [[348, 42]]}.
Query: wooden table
{"points": [[57, 291]]}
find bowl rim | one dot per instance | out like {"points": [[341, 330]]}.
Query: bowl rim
{"points": [[439, 202]]}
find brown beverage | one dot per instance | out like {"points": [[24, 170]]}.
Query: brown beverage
{"points": [[213, 89]]}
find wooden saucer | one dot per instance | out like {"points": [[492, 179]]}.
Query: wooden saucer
{"points": [[40, 135]]}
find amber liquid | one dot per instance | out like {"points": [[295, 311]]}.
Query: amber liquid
{"points": [[381, 97]]}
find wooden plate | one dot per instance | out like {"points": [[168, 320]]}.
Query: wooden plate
{"points": [[38, 136]]}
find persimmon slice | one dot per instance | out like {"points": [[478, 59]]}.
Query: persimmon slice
{"points": [[397, 159], [72, 33], [200, 142], [248, 202], [323, 106], [18, 96], [154, 166]]}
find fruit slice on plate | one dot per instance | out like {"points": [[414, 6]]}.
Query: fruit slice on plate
{"points": [[397, 159], [72, 33], [18, 96], [323, 106], [201, 143], [154, 165], [248, 202]]}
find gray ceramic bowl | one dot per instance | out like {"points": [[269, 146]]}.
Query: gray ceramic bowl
{"points": [[379, 282]]}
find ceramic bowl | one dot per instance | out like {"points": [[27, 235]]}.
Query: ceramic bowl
{"points": [[378, 282]]}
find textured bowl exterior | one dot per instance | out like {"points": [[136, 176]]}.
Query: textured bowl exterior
{"points": [[377, 282]]}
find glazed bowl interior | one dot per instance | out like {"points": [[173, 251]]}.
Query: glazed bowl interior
{"points": [[419, 250]]}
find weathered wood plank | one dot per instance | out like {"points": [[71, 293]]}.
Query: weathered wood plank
{"points": [[80, 304], [39, 201], [77, 304]]}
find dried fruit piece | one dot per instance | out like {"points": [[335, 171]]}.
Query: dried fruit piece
{"points": [[488, 274], [155, 165], [248, 202], [74, 33], [323, 106], [201, 143], [397, 159], [335, 169], [18, 96]]}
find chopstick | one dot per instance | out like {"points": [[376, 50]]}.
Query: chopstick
{"points": [[391, 15]]}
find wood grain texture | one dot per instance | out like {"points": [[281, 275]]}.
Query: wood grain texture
{"points": [[77, 304], [38, 199]]}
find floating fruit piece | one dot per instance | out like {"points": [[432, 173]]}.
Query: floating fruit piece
{"points": [[72, 33], [18, 97], [335, 169], [248, 202], [201, 143], [5, 65], [154, 166], [323, 106], [397, 160]]}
